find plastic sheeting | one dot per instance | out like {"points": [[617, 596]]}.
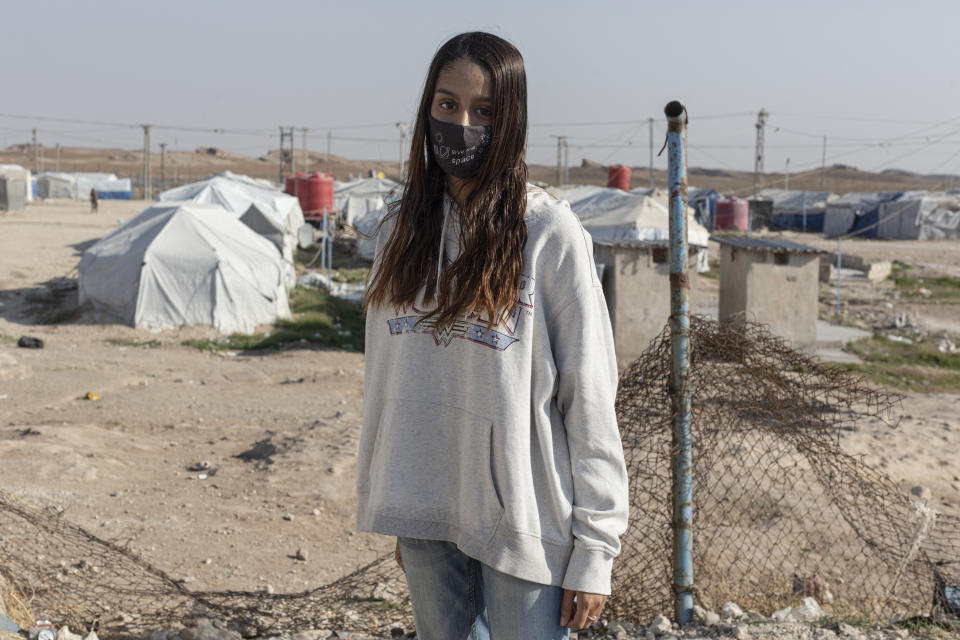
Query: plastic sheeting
{"points": [[185, 264]]}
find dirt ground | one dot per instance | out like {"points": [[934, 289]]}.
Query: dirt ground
{"points": [[119, 465]]}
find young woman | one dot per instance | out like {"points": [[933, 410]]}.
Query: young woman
{"points": [[490, 446]]}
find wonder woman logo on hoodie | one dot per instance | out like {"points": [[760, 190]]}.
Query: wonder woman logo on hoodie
{"points": [[473, 326]]}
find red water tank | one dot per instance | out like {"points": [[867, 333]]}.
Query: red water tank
{"points": [[290, 184], [315, 191], [731, 214], [618, 177]]}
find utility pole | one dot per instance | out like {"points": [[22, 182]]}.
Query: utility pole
{"points": [[163, 166], [36, 152], [650, 122], [566, 159], [293, 154], [329, 138], [758, 160], [147, 187], [306, 158], [58, 156], [823, 162], [560, 142], [786, 176], [286, 154], [403, 126]]}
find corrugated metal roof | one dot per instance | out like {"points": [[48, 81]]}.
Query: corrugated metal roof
{"points": [[764, 244]]}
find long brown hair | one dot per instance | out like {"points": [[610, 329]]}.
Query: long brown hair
{"points": [[485, 277]]}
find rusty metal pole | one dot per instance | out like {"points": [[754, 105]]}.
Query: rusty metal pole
{"points": [[682, 449]]}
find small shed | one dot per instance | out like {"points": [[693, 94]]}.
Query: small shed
{"points": [[773, 282], [636, 285]]}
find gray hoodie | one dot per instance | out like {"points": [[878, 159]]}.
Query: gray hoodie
{"points": [[503, 441]]}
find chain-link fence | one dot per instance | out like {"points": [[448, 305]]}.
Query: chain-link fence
{"points": [[780, 511]]}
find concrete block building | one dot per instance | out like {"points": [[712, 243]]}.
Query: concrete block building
{"points": [[773, 282], [636, 285]]}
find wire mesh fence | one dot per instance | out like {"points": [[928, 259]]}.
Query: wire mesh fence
{"points": [[781, 511]]}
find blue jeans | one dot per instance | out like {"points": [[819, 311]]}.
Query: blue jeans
{"points": [[456, 597]]}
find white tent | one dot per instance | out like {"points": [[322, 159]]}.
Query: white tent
{"points": [[355, 207], [637, 219], [260, 183], [16, 171], [924, 217], [366, 188], [613, 215], [182, 264], [236, 196], [77, 185], [366, 229]]}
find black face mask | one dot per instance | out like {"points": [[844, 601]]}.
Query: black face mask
{"points": [[459, 150]]}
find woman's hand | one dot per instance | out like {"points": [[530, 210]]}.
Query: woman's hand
{"points": [[582, 613], [396, 556]]}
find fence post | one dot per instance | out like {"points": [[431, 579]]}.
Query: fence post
{"points": [[682, 457]]}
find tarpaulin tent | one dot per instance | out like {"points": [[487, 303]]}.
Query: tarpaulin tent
{"points": [[182, 264], [919, 217], [236, 196], [855, 213], [798, 210], [704, 202]]}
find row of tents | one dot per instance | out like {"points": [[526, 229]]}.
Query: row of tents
{"points": [[220, 251], [890, 215]]}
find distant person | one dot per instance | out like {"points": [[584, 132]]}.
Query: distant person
{"points": [[489, 444], [93, 200]]}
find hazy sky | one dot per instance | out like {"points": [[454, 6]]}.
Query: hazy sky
{"points": [[879, 78]]}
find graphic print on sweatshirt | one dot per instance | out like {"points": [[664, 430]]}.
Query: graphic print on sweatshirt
{"points": [[472, 327]]}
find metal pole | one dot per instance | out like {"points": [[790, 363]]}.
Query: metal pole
{"points": [[682, 450], [823, 162], [163, 165], [650, 122], [559, 160], [403, 143], [836, 308], [323, 244], [803, 205], [58, 156], [147, 187], [280, 157], [306, 156], [758, 158], [36, 152], [293, 155]]}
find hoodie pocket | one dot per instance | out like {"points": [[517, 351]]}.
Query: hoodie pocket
{"points": [[433, 462]]}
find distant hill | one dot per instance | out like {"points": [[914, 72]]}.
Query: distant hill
{"points": [[188, 166]]}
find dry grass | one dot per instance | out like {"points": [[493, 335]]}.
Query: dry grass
{"points": [[15, 606]]}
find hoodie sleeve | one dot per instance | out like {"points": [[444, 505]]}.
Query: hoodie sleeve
{"points": [[582, 343]]}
